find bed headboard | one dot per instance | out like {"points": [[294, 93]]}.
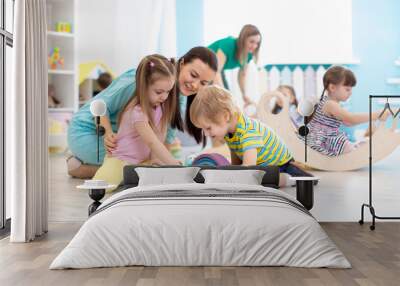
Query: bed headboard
{"points": [[270, 179]]}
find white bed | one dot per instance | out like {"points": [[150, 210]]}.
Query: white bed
{"points": [[201, 224]]}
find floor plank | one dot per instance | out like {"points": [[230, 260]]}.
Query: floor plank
{"points": [[374, 255]]}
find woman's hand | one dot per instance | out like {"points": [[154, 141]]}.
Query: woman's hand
{"points": [[110, 141]]}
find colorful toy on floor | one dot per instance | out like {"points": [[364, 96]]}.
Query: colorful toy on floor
{"points": [[55, 60], [211, 159]]}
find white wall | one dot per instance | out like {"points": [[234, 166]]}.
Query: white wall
{"points": [[294, 31], [121, 32], [95, 31]]}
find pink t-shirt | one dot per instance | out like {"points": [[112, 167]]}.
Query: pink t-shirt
{"points": [[130, 146]]}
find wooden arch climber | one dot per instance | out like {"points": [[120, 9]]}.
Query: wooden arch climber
{"points": [[385, 140]]}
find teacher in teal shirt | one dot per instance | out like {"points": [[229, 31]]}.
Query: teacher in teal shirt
{"points": [[195, 69], [237, 53]]}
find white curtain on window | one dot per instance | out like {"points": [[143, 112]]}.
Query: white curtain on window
{"points": [[27, 156], [294, 32]]}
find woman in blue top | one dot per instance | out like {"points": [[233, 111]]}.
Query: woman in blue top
{"points": [[196, 68], [237, 53]]}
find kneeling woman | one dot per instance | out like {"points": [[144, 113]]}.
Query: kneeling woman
{"points": [[195, 69]]}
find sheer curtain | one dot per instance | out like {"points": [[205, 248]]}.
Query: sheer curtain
{"points": [[147, 28], [27, 135]]}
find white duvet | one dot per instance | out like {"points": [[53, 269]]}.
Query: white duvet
{"points": [[205, 230]]}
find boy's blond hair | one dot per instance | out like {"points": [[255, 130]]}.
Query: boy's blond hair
{"points": [[211, 102]]}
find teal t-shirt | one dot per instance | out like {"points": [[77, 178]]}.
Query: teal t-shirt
{"points": [[229, 47], [116, 95]]}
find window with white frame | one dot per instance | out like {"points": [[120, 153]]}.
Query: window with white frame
{"points": [[6, 44], [294, 32]]}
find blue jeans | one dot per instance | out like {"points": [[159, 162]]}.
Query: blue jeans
{"points": [[84, 147], [293, 170]]}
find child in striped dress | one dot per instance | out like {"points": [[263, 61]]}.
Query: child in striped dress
{"points": [[250, 142], [325, 136]]}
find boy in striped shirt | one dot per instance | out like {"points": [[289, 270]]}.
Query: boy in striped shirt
{"points": [[250, 142]]}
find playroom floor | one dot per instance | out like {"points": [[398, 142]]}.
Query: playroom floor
{"points": [[338, 196], [374, 255]]}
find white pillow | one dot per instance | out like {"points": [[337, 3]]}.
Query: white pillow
{"points": [[248, 177], [166, 176]]}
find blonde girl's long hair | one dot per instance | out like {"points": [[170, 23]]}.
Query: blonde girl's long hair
{"points": [[152, 68], [246, 32]]}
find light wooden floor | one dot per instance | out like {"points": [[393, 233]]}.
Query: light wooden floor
{"points": [[375, 257], [338, 197]]}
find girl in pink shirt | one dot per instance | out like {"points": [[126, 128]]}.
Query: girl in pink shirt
{"points": [[144, 120]]}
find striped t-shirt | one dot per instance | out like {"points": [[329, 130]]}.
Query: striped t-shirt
{"points": [[250, 134]]}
